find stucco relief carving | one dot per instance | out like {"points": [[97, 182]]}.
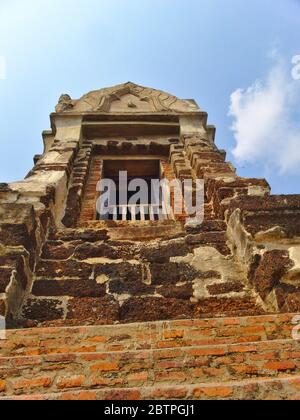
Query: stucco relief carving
{"points": [[128, 97], [65, 103]]}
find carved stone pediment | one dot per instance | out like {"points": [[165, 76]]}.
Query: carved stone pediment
{"points": [[126, 98], [65, 103]]}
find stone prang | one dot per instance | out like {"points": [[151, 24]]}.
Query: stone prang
{"points": [[205, 310]]}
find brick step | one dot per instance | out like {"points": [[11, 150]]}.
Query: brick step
{"points": [[82, 280], [73, 311], [148, 368], [57, 250], [264, 389], [143, 336], [91, 236]]}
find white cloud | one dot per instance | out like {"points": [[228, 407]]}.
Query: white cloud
{"points": [[267, 121]]}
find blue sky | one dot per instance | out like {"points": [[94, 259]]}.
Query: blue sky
{"points": [[233, 55]]}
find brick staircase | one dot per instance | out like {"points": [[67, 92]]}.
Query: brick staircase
{"points": [[220, 358]]}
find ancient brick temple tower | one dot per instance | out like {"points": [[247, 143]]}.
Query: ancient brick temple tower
{"points": [[233, 279]]}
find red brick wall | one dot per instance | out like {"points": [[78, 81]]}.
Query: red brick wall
{"points": [[169, 174], [88, 211]]}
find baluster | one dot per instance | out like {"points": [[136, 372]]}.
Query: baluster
{"points": [[124, 213], [152, 216], [142, 211], [115, 213], [133, 213]]}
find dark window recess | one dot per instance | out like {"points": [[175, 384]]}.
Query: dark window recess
{"points": [[148, 209]]}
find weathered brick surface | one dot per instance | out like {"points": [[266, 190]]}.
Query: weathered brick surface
{"points": [[193, 367], [272, 266], [151, 335], [57, 250], [215, 239], [74, 288], [58, 269], [130, 281], [231, 358], [88, 209], [43, 310], [17, 226], [280, 389], [136, 309], [161, 253], [263, 213], [105, 310], [86, 235], [5, 276], [288, 297], [2, 307], [170, 273]]}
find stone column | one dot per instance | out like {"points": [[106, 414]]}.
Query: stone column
{"points": [[27, 208], [52, 171]]}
